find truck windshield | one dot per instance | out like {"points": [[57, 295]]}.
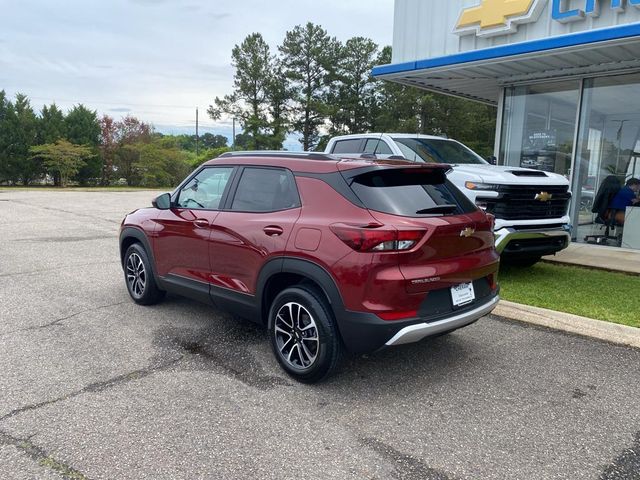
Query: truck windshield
{"points": [[437, 151]]}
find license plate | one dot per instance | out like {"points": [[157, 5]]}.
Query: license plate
{"points": [[462, 294]]}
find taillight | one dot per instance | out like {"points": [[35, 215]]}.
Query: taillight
{"points": [[377, 238]]}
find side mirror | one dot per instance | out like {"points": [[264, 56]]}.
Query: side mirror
{"points": [[162, 202], [492, 160]]}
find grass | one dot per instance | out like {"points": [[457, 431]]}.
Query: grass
{"points": [[609, 296]]}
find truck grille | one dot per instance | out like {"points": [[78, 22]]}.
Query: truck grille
{"points": [[518, 202]]}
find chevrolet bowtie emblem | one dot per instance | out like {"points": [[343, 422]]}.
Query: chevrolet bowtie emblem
{"points": [[496, 17], [544, 197], [467, 232]]}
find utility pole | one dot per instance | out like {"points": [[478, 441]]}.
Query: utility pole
{"points": [[233, 143], [197, 138]]}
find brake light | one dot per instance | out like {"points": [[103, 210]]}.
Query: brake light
{"points": [[376, 239]]}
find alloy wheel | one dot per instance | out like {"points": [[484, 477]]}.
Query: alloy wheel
{"points": [[136, 275], [296, 335]]}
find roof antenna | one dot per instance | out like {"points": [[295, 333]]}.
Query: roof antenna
{"points": [[378, 144]]}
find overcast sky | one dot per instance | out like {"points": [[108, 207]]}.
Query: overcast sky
{"points": [[156, 59]]}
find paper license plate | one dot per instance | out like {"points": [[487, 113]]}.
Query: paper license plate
{"points": [[462, 294]]}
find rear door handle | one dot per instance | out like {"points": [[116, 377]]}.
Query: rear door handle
{"points": [[273, 230], [201, 222]]}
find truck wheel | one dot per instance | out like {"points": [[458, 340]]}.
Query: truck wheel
{"points": [[522, 262], [303, 333], [138, 277]]}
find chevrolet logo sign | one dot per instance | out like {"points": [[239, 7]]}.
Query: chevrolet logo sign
{"points": [[544, 197], [498, 17], [467, 232]]}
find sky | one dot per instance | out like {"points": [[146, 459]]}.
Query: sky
{"points": [[155, 59]]}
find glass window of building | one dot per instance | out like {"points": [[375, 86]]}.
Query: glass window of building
{"points": [[539, 124], [607, 157]]}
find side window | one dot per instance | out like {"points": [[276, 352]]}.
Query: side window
{"points": [[377, 147], [347, 146], [205, 190], [266, 190]]}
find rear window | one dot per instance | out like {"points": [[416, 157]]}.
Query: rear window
{"points": [[411, 193], [347, 146], [437, 151]]}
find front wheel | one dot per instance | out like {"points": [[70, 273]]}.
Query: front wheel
{"points": [[303, 333], [139, 278]]}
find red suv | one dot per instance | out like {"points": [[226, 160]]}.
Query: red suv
{"points": [[327, 253]]}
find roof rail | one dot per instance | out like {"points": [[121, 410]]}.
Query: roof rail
{"points": [[280, 153]]}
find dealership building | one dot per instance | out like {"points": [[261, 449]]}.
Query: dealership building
{"points": [[563, 74]]}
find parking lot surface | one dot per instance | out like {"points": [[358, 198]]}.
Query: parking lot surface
{"points": [[95, 387]]}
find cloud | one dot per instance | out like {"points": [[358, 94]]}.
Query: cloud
{"points": [[120, 110], [219, 16]]}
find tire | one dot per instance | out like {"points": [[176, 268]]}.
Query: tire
{"points": [[138, 277], [521, 262], [296, 314]]}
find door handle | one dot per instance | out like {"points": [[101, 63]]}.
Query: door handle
{"points": [[201, 222], [273, 230]]}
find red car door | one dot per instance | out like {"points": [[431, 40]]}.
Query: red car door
{"points": [[254, 229], [181, 242]]}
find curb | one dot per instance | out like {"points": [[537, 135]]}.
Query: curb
{"points": [[566, 322]]}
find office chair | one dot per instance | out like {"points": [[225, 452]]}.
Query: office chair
{"points": [[606, 216]]}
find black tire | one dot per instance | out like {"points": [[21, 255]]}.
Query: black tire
{"points": [[288, 321], [521, 262], [138, 277]]}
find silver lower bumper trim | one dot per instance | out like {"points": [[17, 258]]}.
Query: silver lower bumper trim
{"points": [[506, 235], [415, 333]]}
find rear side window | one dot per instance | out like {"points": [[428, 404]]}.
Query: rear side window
{"points": [[411, 193], [266, 190], [347, 146], [377, 147]]}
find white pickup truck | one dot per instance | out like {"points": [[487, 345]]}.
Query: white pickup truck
{"points": [[531, 206]]}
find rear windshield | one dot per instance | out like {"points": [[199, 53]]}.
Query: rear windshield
{"points": [[437, 151], [411, 193]]}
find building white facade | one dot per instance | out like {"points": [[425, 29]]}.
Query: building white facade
{"points": [[564, 75]]}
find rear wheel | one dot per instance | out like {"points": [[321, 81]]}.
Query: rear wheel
{"points": [[139, 278], [303, 334]]}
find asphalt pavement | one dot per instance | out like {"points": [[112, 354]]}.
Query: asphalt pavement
{"points": [[93, 386]]}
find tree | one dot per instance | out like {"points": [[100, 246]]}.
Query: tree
{"points": [[308, 58], [209, 140], [159, 162], [83, 128], [51, 125], [20, 133], [249, 102], [354, 92], [131, 133], [62, 158], [108, 147]]}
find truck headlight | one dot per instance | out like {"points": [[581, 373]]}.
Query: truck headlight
{"points": [[480, 186]]}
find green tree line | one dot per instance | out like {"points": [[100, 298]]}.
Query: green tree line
{"points": [[317, 87], [82, 148]]}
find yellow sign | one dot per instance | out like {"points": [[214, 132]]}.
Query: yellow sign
{"points": [[495, 17]]}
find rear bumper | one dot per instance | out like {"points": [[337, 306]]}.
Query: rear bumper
{"points": [[366, 332], [415, 333], [511, 242]]}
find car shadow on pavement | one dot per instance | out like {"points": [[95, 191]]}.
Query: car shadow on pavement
{"points": [[238, 348]]}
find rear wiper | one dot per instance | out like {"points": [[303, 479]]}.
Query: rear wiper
{"points": [[437, 209]]}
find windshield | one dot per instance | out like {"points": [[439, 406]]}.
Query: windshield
{"points": [[437, 151]]}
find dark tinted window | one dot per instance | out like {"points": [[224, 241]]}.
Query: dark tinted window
{"points": [[205, 190], [377, 147], [266, 190], [347, 146], [410, 193], [437, 151]]}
